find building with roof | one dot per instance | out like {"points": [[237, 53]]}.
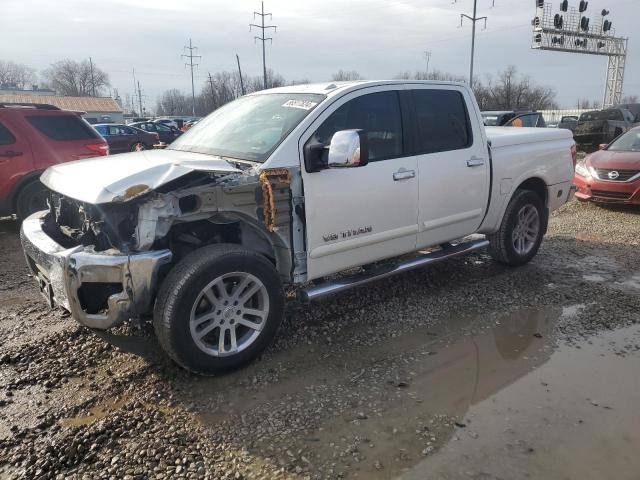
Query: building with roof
{"points": [[97, 109]]}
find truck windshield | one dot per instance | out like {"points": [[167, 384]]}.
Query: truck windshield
{"points": [[629, 142], [249, 128]]}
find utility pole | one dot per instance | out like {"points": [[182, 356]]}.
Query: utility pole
{"points": [[133, 98], [93, 81], [213, 94], [427, 55], [240, 73], [473, 20], [139, 98], [191, 56], [262, 38]]}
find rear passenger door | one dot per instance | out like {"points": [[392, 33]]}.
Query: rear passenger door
{"points": [[452, 162], [15, 158], [118, 139]]}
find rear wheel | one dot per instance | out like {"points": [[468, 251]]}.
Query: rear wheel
{"points": [[32, 198], [219, 308], [520, 234]]}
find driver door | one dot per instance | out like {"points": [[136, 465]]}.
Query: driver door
{"points": [[359, 215]]}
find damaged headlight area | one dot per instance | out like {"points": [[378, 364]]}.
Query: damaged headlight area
{"points": [[72, 223]]}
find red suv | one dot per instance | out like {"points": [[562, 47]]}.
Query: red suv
{"points": [[32, 138]]}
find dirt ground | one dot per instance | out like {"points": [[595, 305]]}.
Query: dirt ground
{"points": [[464, 370]]}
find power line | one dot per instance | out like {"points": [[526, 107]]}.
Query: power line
{"points": [[262, 38], [474, 19], [191, 56]]}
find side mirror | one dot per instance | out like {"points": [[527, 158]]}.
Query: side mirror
{"points": [[348, 148], [603, 146]]}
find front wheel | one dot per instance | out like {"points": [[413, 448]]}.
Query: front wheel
{"points": [[32, 198], [218, 309], [520, 234]]}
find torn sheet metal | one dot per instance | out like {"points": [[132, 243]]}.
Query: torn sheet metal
{"points": [[281, 176], [123, 177]]}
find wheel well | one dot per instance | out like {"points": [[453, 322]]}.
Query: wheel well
{"points": [[20, 186], [183, 238], [537, 186]]}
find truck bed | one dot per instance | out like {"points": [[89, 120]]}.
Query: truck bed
{"points": [[507, 136]]}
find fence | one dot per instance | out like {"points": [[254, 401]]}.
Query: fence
{"points": [[554, 116]]}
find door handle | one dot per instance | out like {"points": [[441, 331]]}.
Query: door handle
{"points": [[10, 154], [475, 161], [403, 174]]}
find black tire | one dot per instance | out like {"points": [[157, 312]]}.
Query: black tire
{"points": [[501, 244], [31, 198], [182, 288]]}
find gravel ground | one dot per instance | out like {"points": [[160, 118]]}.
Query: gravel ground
{"points": [[368, 384]]}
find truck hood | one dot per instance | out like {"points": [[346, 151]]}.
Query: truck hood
{"points": [[615, 160], [122, 177]]}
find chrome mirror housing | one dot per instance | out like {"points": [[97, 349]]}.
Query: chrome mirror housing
{"points": [[348, 148]]}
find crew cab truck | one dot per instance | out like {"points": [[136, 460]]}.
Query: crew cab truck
{"points": [[274, 195]]}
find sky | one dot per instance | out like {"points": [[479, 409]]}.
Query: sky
{"points": [[314, 38]]}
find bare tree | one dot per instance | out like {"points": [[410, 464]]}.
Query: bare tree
{"points": [[585, 104], [15, 75], [344, 75], [433, 75], [72, 78], [630, 99], [174, 102], [512, 91]]}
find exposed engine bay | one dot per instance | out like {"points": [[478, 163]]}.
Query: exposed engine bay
{"points": [[201, 207]]}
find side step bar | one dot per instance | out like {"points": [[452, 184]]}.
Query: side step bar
{"points": [[329, 288]]}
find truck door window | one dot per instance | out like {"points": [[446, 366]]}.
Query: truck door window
{"points": [[6, 138], [529, 120], [378, 114], [442, 120]]}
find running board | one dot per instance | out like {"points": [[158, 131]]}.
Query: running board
{"points": [[329, 288]]}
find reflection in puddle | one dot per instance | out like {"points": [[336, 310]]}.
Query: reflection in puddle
{"points": [[95, 413], [594, 278], [582, 399]]}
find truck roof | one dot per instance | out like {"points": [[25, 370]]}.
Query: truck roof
{"points": [[332, 88]]}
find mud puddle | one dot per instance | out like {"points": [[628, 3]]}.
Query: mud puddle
{"points": [[368, 428], [573, 416]]}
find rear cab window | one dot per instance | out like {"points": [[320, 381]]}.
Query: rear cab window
{"points": [[62, 127], [6, 137], [442, 120]]}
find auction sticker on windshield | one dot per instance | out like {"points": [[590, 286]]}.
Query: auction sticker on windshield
{"points": [[303, 104]]}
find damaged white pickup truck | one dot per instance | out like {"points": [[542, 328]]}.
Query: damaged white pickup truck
{"points": [[273, 194]]}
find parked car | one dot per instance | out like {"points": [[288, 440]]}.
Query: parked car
{"points": [[497, 118], [601, 126], [32, 138], [612, 174], [569, 122], [165, 133], [129, 121], [169, 122], [124, 138], [513, 119], [634, 108], [283, 188]]}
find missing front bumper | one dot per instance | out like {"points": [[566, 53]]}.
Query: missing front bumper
{"points": [[101, 290]]}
